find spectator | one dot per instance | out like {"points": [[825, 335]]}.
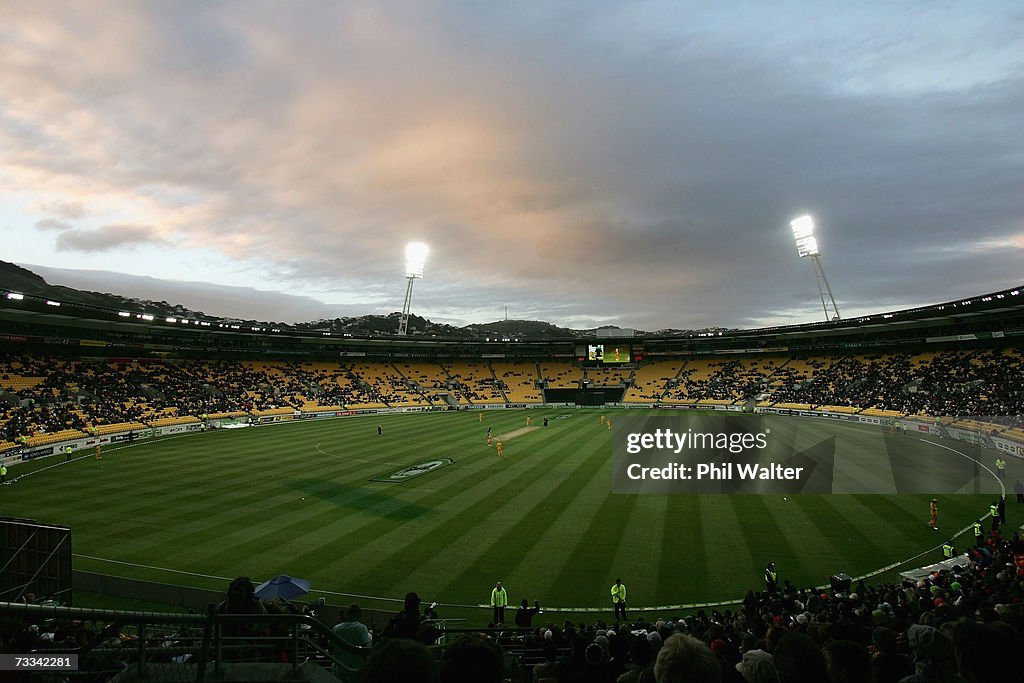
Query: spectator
{"points": [[470, 659], [406, 624], [933, 656], [400, 660], [352, 632], [684, 659], [799, 660], [757, 667], [524, 615], [848, 662]]}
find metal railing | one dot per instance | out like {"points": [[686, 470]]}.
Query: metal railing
{"points": [[185, 647]]}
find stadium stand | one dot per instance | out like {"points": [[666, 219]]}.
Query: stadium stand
{"points": [[50, 399], [561, 375], [387, 383], [520, 381], [608, 377], [431, 378], [477, 380], [651, 380]]}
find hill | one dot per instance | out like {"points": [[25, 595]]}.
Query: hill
{"points": [[15, 278]]}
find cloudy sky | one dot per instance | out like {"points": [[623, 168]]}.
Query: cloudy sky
{"points": [[580, 162]]}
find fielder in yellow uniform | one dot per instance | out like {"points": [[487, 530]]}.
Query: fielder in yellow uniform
{"points": [[501, 449]]}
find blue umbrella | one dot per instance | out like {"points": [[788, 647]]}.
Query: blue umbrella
{"points": [[283, 586]]}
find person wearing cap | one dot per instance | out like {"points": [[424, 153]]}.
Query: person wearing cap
{"points": [[771, 578], [933, 510], [499, 599], [619, 599]]}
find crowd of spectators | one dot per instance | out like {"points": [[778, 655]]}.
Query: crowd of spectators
{"points": [[53, 394], [728, 380], [964, 624], [956, 383]]}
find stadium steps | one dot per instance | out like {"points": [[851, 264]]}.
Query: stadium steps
{"points": [[452, 378], [409, 384], [665, 389], [498, 384]]}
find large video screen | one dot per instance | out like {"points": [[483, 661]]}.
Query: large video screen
{"points": [[609, 353]]}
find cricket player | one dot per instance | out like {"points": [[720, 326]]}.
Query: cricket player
{"points": [[933, 509], [609, 423], [602, 419], [501, 449], [98, 456], [529, 420], [490, 439], [480, 416]]}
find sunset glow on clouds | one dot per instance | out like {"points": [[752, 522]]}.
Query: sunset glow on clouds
{"points": [[634, 163]]}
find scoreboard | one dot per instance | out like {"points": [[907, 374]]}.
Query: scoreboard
{"points": [[606, 354]]}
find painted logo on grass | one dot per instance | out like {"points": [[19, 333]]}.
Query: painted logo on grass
{"points": [[413, 471]]}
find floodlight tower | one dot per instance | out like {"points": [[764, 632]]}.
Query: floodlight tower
{"points": [[807, 245], [415, 257]]}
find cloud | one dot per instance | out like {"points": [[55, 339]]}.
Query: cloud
{"points": [[108, 238], [639, 161], [65, 210], [53, 224]]}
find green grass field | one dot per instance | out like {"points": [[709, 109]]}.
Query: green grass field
{"points": [[297, 499]]}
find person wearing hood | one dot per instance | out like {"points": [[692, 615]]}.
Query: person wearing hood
{"points": [[933, 656]]}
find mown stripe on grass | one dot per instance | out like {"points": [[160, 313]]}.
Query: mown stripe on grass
{"points": [[483, 505], [594, 547], [839, 534], [504, 555], [765, 540], [683, 547]]}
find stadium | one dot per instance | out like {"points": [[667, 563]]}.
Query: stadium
{"points": [[363, 464], [550, 342]]}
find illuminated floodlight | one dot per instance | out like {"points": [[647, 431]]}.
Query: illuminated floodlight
{"points": [[803, 231], [52, 303], [15, 296], [172, 320], [124, 314], [807, 245], [415, 258], [147, 316]]}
